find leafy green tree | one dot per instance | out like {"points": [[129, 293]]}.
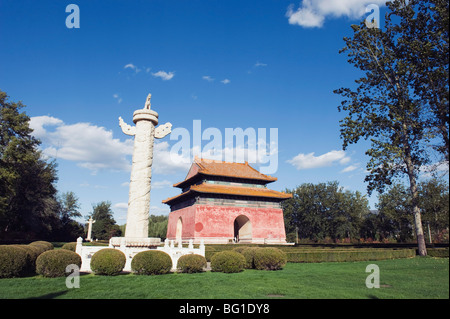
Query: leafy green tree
{"points": [[394, 206], [69, 207], [324, 210], [69, 229], [347, 221], [395, 219], [157, 226], [305, 212], [388, 107], [370, 226], [28, 201], [434, 202], [422, 37], [105, 226]]}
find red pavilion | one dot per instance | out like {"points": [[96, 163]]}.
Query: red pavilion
{"points": [[223, 202]]}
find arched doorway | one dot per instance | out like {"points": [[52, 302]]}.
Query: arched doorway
{"points": [[179, 232], [242, 229]]}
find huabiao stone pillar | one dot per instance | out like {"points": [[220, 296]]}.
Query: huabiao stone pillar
{"points": [[89, 234], [141, 170]]}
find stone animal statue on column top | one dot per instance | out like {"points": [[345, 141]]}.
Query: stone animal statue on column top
{"points": [[160, 132]]}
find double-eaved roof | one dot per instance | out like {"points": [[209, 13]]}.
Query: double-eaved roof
{"points": [[204, 167], [201, 169]]}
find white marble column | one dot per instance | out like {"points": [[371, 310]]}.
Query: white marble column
{"points": [[141, 170], [89, 234]]}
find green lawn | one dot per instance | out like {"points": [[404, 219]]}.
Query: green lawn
{"points": [[420, 277]]}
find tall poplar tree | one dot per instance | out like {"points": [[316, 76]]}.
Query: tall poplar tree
{"points": [[389, 107], [422, 37]]}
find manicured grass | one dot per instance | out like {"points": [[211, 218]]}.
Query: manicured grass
{"points": [[419, 277]]}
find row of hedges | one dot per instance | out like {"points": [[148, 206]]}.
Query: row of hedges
{"points": [[302, 247], [110, 262], [438, 252], [39, 257], [21, 260], [349, 255], [308, 254], [232, 261]]}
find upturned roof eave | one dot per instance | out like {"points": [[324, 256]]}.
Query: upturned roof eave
{"points": [[199, 176], [246, 192]]}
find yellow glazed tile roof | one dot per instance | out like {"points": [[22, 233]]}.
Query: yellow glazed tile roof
{"points": [[228, 169], [231, 190]]}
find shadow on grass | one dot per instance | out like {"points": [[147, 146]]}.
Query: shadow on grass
{"points": [[51, 295]]}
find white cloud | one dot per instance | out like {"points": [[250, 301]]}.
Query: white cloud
{"points": [[164, 75], [133, 67], [305, 17], [350, 168], [312, 13], [308, 161], [117, 97], [95, 148], [161, 184], [37, 123], [211, 79], [439, 169], [87, 185], [207, 78], [90, 146], [259, 64], [120, 212], [166, 163], [121, 206]]}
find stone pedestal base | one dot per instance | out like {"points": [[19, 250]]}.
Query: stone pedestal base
{"points": [[228, 240], [132, 246], [129, 242]]}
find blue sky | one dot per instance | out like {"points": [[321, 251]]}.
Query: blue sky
{"points": [[249, 64]]}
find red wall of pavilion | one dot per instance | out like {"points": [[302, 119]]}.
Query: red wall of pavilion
{"points": [[187, 215], [208, 221]]}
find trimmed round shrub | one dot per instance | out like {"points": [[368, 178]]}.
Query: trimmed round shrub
{"points": [[33, 251], [191, 263], [70, 246], [46, 244], [13, 261], [53, 263], [42, 246], [108, 262], [151, 262], [228, 261], [269, 259], [240, 249], [32, 254], [249, 254]]}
